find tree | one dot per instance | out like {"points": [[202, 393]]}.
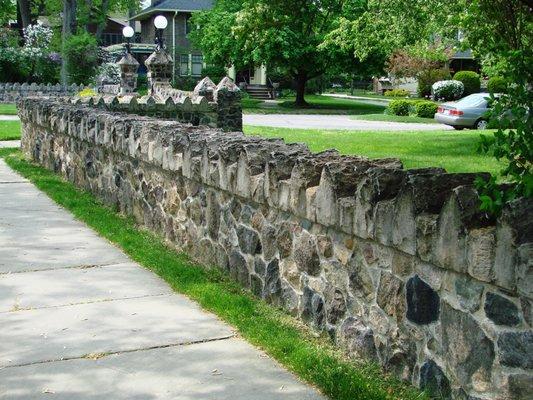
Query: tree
{"points": [[264, 32], [501, 31], [8, 11]]}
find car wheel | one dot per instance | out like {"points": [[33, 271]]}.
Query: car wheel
{"points": [[481, 124], [458, 128]]}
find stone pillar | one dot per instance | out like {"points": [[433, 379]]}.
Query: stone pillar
{"points": [[229, 107], [159, 66], [206, 88], [128, 74]]}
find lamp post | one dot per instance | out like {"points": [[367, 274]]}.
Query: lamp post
{"points": [[128, 33], [160, 23]]}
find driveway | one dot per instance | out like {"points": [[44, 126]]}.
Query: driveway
{"points": [[342, 122]]}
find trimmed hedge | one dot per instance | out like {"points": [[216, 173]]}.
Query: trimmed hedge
{"points": [[426, 109], [497, 84], [470, 80], [397, 93], [400, 107], [447, 90]]}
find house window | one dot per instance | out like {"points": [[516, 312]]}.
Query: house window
{"points": [[197, 64], [184, 64]]}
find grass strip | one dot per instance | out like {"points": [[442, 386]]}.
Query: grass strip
{"points": [[314, 359], [8, 109], [9, 130]]}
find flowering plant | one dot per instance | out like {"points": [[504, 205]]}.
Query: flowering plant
{"points": [[447, 90]]}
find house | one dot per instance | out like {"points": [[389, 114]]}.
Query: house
{"points": [[188, 60]]}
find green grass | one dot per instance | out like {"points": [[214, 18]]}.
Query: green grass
{"points": [[312, 358], [393, 118], [317, 105], [9, 130], [8, 109], [456, 151]]}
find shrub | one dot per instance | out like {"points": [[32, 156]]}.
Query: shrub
{"points": [[470, 80], [400, 107], [108, 73], [87, 92], [426, 79], [426, 109], [81, 56], [13, 67], [447, 90], [397, 93], [215, 73], [497, 84]]}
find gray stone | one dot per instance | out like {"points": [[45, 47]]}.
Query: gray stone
{"points": [[248, 240], [238, 268], [391, 296], [500, 310], [336, 307], [520, 386], [469, 293], [272, 280], [306, 255], [468, 350], [268, 240], [422, 302], [313, 308], [515, 349], [434, 381], [284, 240], [361, 282], [256, 285], [358, 339]]}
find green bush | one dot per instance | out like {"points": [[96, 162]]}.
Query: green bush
{"points": [[215, 73], [81, 55], [400, 107], [497, 84], [427, 78], [187, 83], [470, 80], [397, 93], [426, 109]]}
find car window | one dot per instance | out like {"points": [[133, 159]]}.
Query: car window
{"points": [[473, 101]]}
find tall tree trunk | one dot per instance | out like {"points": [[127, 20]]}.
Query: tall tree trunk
{"points": [[102, 22], [69, 27], [301, 80], [25, 12]]}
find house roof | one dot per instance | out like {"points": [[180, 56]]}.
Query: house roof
{"points": [[175, 5]]}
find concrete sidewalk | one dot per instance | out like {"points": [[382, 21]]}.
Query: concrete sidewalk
{"points": [[79, 320]]}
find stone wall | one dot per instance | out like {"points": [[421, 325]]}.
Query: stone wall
{"points": [[399, 267], [13, 92]]}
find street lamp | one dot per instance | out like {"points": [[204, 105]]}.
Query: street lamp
{"points": [[160, 23], [128, 33]]}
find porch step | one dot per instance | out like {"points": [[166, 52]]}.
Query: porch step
{"points": [[258, 92]]}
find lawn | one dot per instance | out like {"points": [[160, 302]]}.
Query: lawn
{"points": [[312, 358], [317, 105], [453, 150], [8, 109], [9, 130]]}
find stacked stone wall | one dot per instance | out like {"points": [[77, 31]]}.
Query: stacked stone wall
{"points": [[13, 92], [398, 266]]}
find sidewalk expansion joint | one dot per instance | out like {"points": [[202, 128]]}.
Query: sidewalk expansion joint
{"points": [[97, 356], [62, 268], [19, 309]]}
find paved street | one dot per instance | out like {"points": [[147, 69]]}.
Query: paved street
{"points": [[343, 122], [79, 320]]}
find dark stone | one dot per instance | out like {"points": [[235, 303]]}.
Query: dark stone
{"points": [[313, 308], [361, 282], [468, 350], [246, 214], [238, 268], [268, 239], [259, 266], [468, 293], [306, 255], [336, 307], [520, 387], [390, 296], [256, 285], [212, 215], [358, 338], [516, 349], [433, 380], [289, 299], [272, 280], [248, 240], [501, 310], [422, 302]]}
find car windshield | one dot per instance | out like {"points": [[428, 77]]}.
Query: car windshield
{"points": [[474, 100]]}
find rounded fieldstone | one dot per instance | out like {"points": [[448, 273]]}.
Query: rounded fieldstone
{"points": [[500, 310], [248, 240], [284, 241], [272, 280], [422, 302], [256, 285], [468, 293], [361, 283], [312, 307], [358, 338], [390, 296], [336, 307], [515, 349], [306, 255], [434, 381]]}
